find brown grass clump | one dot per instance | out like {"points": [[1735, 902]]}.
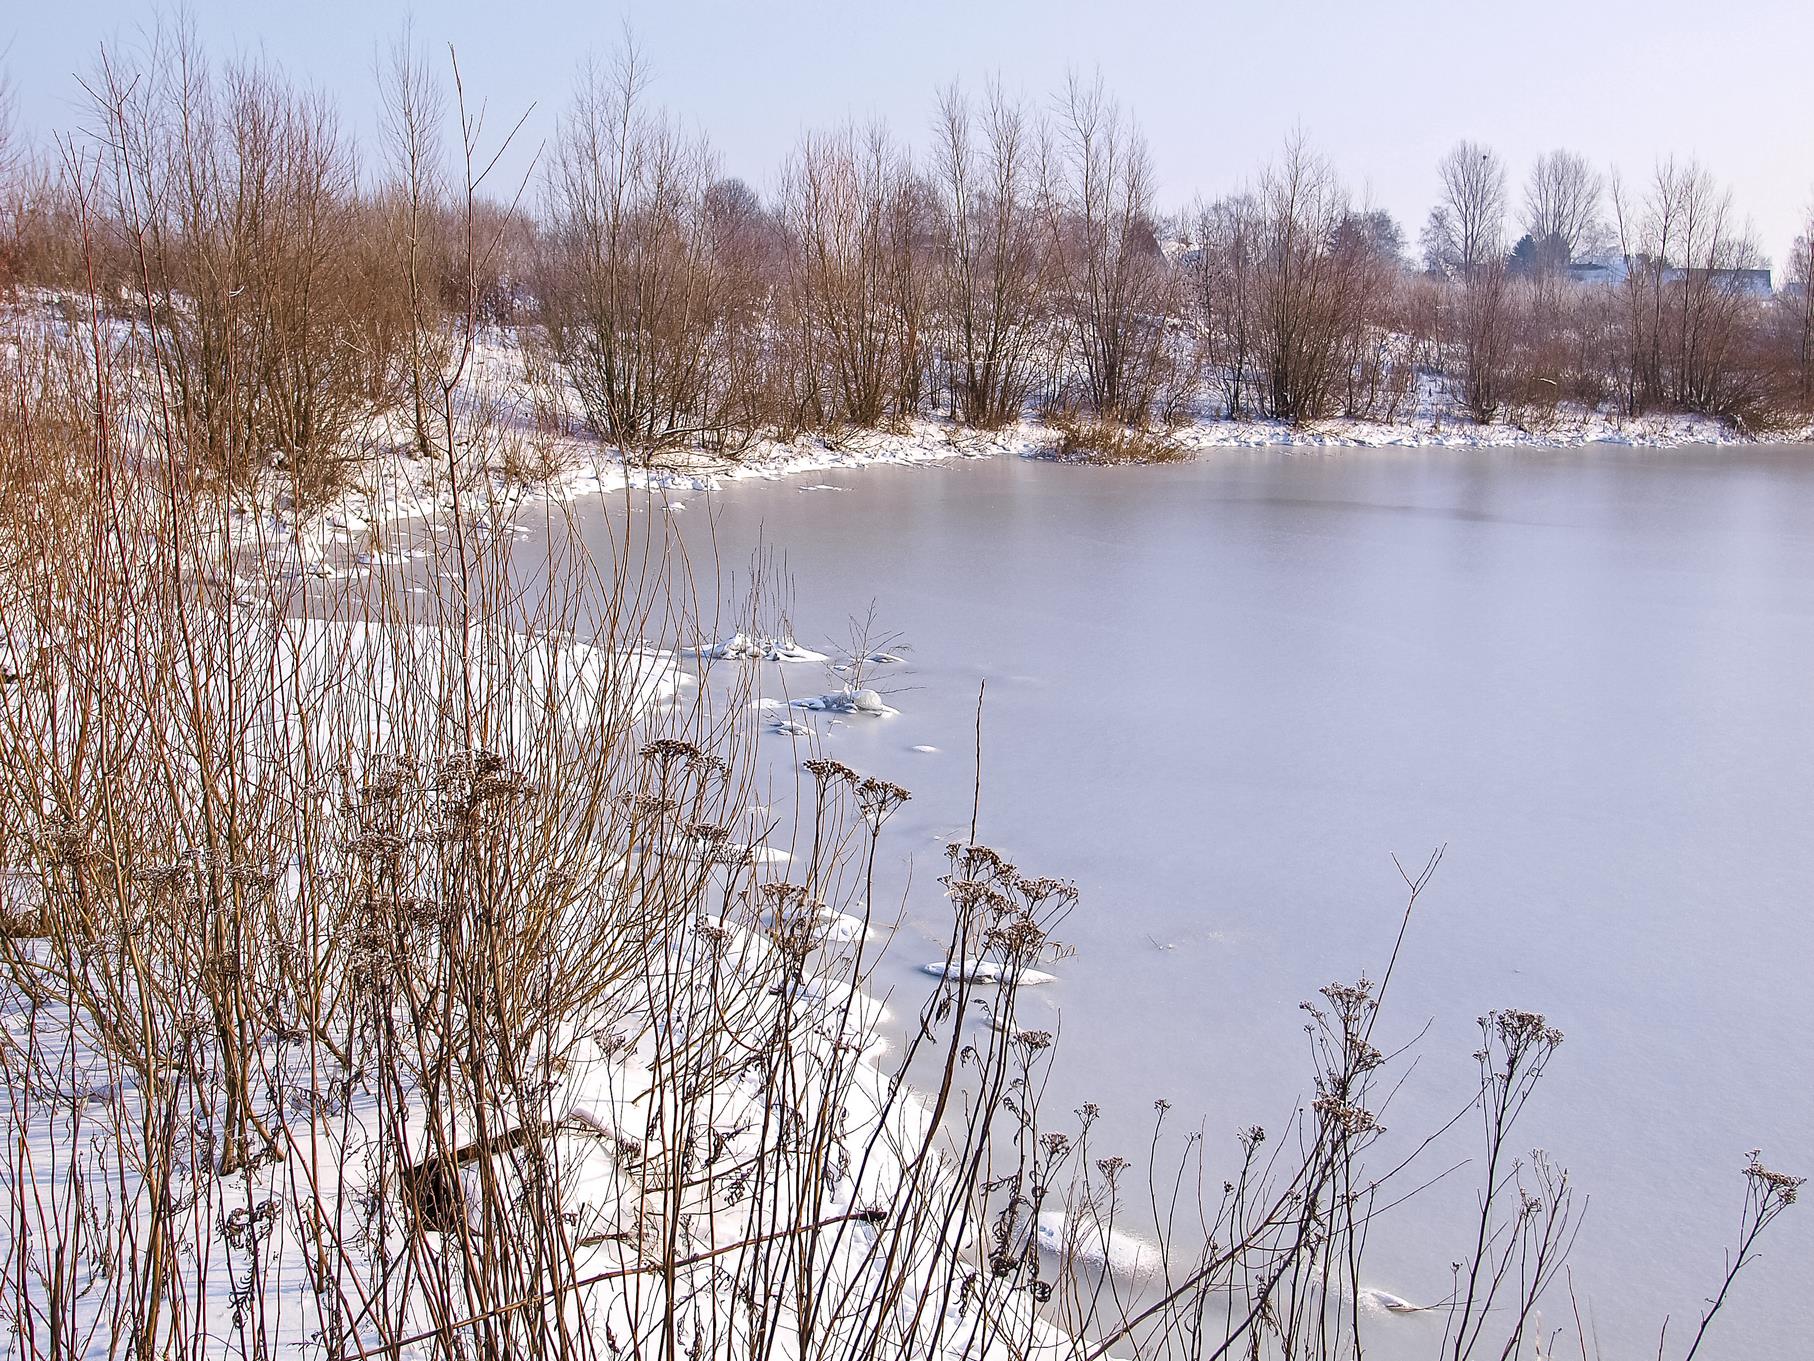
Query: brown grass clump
{"points": [[1085, 439]]}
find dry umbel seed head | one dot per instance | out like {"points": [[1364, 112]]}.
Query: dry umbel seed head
{"points": [[1778, 1185], [827, 771]]}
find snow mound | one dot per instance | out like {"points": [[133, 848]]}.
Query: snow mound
{"points": [[987, 971], [1385, 1301], [847, 701], [737, 853], [1082, 1237], [750, 647]]}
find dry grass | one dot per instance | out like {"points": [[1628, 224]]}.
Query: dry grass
{"points": [[1083, 439]]}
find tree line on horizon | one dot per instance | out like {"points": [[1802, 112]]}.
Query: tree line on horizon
{"points": [[293, 285]]}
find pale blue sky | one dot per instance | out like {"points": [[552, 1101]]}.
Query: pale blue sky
{"points": [[1383, 86]]}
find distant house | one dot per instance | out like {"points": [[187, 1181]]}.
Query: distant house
{"points": [[1750, 282], [1597, 271], [1179, 252]]}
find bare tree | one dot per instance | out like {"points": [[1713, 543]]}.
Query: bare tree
{"points": [[1224, 279], [1473, 205], [11, 195], [991, 303], [1314, 281], [1795, 318], [1689, 315], [1562, 209], [1114, 286], [237, 192], [859, 220], [635, 290], [1376, 362], [414, 105]]}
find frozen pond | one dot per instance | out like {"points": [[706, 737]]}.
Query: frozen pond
{"points": [[1222, 694]]}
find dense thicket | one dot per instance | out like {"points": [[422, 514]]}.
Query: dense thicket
{"points": [[289, 294], [273, 312]]}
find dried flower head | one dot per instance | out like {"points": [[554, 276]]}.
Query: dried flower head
{"points": [[1347, 1117], [1521, 1030], [665, 751], [876, 799], [826, 771], [647, 805], [1770, 1184]]}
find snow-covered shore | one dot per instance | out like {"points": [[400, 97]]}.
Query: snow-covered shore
{"points": [[396, 489], [728, 1029]]}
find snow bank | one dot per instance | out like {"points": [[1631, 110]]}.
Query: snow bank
{"points": [[533, 678]]}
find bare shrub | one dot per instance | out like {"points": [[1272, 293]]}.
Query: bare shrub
{"points": [[1089, 439], [46, 498], [236, 194], [1485, 304], [1224, 283], [40, 228], [1377, 365], [12, 195], [1792, 319]]}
